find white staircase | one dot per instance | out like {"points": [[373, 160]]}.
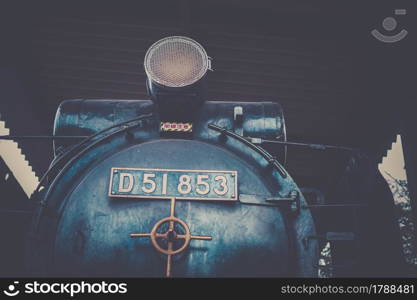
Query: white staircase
{"points": [[17, 163], [392, 168], [393, 161]]}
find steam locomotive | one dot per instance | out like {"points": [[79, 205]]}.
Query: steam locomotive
{"points": [[174, 186]]}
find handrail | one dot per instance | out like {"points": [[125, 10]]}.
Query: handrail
{"points": [[77, 148], [268, 157]]}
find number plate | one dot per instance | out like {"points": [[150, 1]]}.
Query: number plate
{"points": [[168, 183]]}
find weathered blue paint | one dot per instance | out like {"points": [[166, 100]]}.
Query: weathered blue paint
{"points": [[81, 231]]}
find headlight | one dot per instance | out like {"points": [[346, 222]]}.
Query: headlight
{"points": [[176, 62]]}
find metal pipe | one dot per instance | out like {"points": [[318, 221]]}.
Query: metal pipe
{"points": [[309, 145], [41, 137]]}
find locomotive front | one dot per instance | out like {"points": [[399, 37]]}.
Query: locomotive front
{"points": [[171, 186]]}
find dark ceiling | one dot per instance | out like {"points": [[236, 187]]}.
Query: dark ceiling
{"points": [[316, 59]]}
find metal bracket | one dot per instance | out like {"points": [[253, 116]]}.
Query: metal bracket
{"points": [[209, 65], [129, 135], [291, 202], [238, 120]]}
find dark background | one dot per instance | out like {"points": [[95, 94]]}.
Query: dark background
{"points": [[336, 83]]}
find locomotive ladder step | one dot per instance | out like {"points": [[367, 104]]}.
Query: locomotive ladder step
{"points": [[330, 266], [345, 205], [330, 237]]}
